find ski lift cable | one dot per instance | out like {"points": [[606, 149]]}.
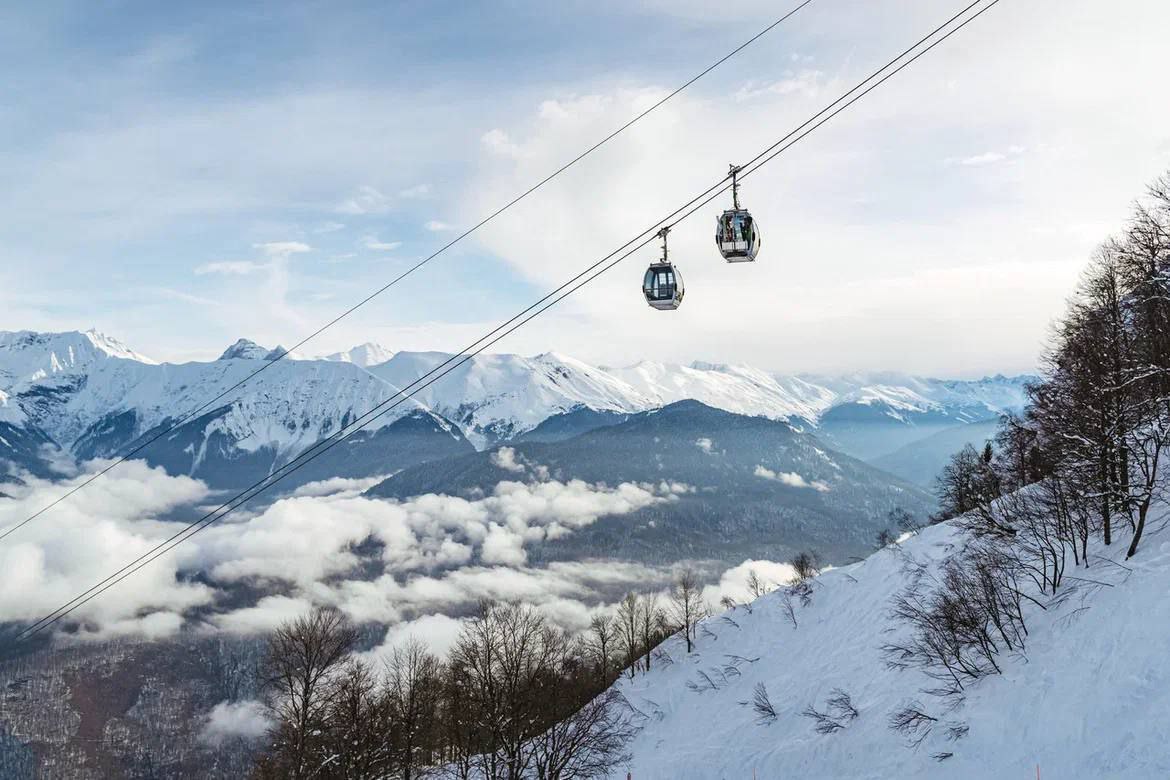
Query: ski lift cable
{"points": [[593, 272], [187, 417]]}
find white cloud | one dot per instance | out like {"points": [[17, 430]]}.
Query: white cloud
{"points": [[372, 242], [987, 158], [265, 615], [52, 559], [302, 550], [807, 83], [283, 248], [497, 142], [704, 444], [436, 226], [733, 582], [339, 486], [230, 267], [367, 200], [437, 632], [227, 720], [792, 479], [505, 458], [417, 192]]}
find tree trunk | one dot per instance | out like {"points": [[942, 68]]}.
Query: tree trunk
{"points": [[1143, 510]]}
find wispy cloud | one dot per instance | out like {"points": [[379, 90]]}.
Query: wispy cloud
{"points": [[792, 479], [435, 226], [497, 142], [417, 192], [230, 268], [987, 158], [808, 83], [283, 248], [367, 200], [372, 242]]}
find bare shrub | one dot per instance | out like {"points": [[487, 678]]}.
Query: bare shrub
{"points": [[911, 721], [840, 704], [765, 712]]}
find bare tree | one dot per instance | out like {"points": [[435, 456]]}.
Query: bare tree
{"points": [[412, 693], [305, 657], [588, 742], [756, 586], [629, 636], [806, 564], [601, 645], [686, 605], [650, 625], [359, 727]]}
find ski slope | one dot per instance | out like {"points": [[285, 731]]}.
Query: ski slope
{"points": [[1090, 700]]}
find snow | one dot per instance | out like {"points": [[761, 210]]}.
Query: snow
{"points": [[290, 406], [9, 411], [245, 349], [27, 357], [1089, 700], [739, 389], [509, 394], [364, 355], [490, 397], [969, 399]]}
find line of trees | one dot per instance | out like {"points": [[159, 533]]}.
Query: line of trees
{"points": [[1084, 461], [1097, 429], [516, 698]]}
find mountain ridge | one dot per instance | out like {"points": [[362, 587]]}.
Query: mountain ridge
{"points": [[74, 387]]}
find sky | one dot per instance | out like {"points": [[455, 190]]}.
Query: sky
{"points": [[183, 175]]}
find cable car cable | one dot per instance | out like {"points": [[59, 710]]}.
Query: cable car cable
{"points": [[268, 362], [694, 205]]}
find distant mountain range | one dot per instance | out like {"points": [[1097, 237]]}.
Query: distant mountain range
{"points": [[754, 487], [88, 395]]}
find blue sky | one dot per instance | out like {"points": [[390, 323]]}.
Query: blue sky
{"points": [[179, 175]]}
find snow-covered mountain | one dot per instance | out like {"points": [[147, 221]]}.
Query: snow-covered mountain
{"points": [[364, 355], [92, 396], [496, 397], [1086, 698]]}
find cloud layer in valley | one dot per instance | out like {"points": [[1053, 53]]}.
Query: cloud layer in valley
{"points": [[415, 565]]}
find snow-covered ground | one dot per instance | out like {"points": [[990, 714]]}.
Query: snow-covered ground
{"points": [[1091, 699]]}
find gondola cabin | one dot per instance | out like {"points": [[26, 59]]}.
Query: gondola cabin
{"points": [[737, 236], [663, 286]]}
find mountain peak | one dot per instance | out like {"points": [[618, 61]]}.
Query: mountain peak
{"points": [[113, 347], [363, 355], [246, 349]]}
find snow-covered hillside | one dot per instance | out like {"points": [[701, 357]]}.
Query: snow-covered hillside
{"points": [[1089, 700]]}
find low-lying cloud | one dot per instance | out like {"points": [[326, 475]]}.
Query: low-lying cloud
{"points": [[792, 479], [385, 561], [240, 719]]}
